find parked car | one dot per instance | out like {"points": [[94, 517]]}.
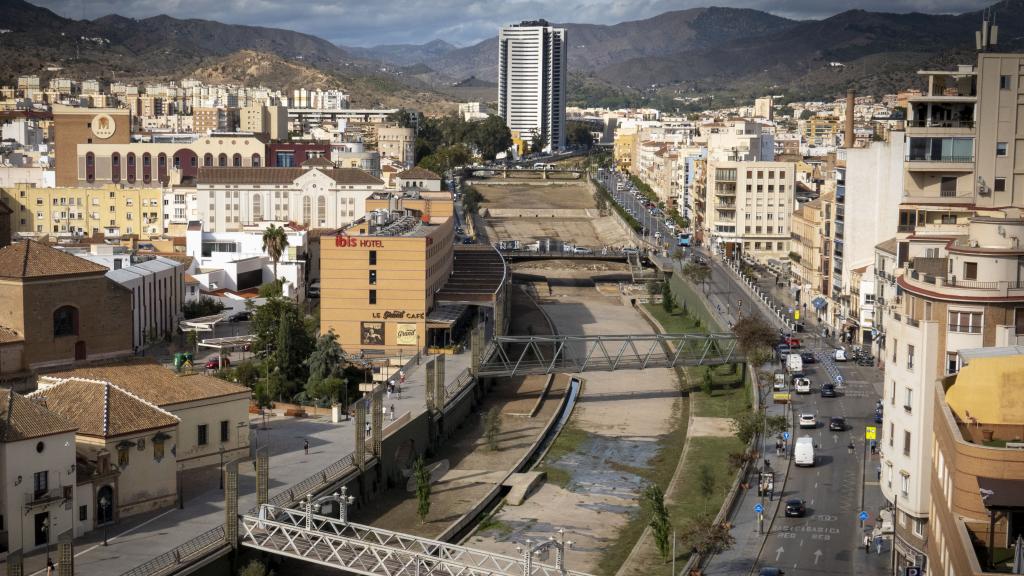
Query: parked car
{"points": [[795, 508], [216, 363], [582, 250], [782, 351], [780, 381], [839, 355], [837, 424], [770, 571], [243, 316], [828, 391], [808, 421], [808, 357]]}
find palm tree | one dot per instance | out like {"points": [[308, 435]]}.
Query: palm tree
{"points": [[275, 240]]}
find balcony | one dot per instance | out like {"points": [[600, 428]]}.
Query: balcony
{"points": [[952, 286], [43, 497], [928, 163]]}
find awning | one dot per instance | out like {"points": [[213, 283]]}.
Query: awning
{"points": [[819, 302]]}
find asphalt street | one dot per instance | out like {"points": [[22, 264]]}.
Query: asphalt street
{"points": [[628, 200], [828, 539]]}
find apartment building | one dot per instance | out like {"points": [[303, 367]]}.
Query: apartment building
{"points": [[805, 252], [112, 210], [749, 207], [397, 143], [214, 119], [531, 81], [74, 126], [957, 277], [977, 467], [270, 121]]}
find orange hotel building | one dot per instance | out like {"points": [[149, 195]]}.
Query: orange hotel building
{"points": [[395, 283]]}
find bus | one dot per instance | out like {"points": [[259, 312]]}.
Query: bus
{"points": [[683, 239]]}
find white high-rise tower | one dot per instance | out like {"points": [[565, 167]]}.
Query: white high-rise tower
{"points": [[531, 81]]}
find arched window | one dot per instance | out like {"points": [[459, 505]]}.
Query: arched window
{"points": [[222, 160], [236, 160], [255, 159], [115, 167], [208, 159], [65, 321], [321, 211], [131, 167], [307, 206], [257, 208], [161, 167], [147, 167], [90, 167]]}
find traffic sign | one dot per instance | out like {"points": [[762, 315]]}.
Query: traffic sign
{"points": [[758, 508], [863, 516], [870, 433], [785, 435], [913, 571]]}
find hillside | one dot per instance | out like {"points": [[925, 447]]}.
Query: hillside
{"points": [[403, 54], [165, 48]]}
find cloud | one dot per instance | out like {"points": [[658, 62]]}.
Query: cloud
{"points": [[460, 22]]}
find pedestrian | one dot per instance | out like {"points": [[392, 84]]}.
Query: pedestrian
{"points": [[367, 428], [867, 544], [850, 447], [392, 413], [391, 386], [305, 447], [49, 567]]}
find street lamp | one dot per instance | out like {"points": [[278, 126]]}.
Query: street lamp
{"points": [[560, 544]]}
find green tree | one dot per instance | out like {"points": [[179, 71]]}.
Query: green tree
{"points": [[272, 289], [704, 537], [677, 254], [492, 428], [706, 481], [282, 330], [402, 117], [666, 297], [204, 306], [708, 382], [444, 159], [747, 425], [697, 274], [324, 364], [806, 114], [653, 501], [267, 390], [275, 241], [193, 341], [246, 373], [491, 136], [255, 568], [422, 476], [538, 140], [578, 135]]}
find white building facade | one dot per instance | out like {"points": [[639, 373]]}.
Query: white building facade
{"points": [[532, 79]]}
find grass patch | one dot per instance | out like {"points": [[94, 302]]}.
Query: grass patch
{"points": [[675, 322], [684, 291], [491, 523], [570, 438], [727, 400], [558, 476], [659, 471]]}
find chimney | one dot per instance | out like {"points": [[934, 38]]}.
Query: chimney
{"points": [[851, 97]]}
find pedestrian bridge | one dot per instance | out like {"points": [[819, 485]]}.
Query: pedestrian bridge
{"points": [[525, 355], [370, 551]]}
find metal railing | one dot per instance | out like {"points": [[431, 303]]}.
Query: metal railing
{"points": [[455, 387], [43, 496], [946, 159], [171, 560], [941, 124]]}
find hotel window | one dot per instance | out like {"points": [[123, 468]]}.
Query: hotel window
{"points": [[1001, 148], [970, 270], [373, 257], [373, 277], [1004, 82], [965, 322], [373, 296]]}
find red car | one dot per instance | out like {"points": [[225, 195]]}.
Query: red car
{"points": [[215, 363], [791, 342]]}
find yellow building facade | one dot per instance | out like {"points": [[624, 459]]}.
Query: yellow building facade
{"points": [[111, 210], [379, 276], [624, 148]]}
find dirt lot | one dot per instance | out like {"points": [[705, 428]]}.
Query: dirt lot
{"points": [[601, 231], [513, 195]]}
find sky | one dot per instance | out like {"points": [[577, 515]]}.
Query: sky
{"points": [[460, 22]]}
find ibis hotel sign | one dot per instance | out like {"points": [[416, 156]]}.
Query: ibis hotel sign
{"points": [[353, 242]]}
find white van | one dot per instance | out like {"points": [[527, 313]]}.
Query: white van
{"points": [[794, 363], [803, 451]]}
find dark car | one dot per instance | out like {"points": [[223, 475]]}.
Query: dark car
{"points": [[808, 357], [828, 391], [837, 424], [795, 508], [243, 316], [771, 572], [467, 240], [782, 351], [878, 416]]}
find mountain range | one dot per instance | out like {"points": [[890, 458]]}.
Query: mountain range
{"points": [[737, 53]]}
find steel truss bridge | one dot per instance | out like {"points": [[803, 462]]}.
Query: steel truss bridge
{"points": [[525, 355], [371, 551]]}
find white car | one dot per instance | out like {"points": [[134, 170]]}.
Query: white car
{"points": [[802, 385], [839, 355], [808, 421]]}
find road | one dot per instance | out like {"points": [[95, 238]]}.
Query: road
{"points": [[627, 199], [828, 540]]}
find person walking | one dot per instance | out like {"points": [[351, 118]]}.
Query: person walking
{"points": [[305, 447], [850, 447], [867, 544], [392, 415]]}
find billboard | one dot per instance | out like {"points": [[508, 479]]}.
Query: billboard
{"points": [[371, 333], [406, 335]]}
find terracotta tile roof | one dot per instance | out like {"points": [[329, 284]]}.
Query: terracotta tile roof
{"points": [[190, 279], [318, 161], [266, 175], [417, 173], [31, 259], [101, 409], [21, 419], [8, 335], [154, 383]]}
